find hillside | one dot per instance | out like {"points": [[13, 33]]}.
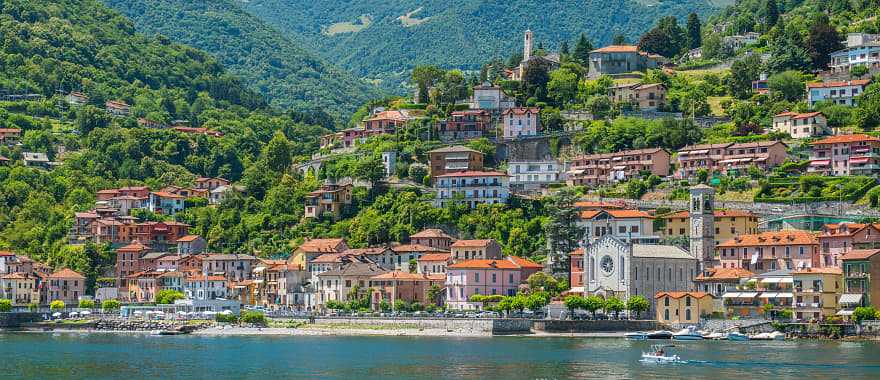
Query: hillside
{"points": [[289, 76], [383, 40]]}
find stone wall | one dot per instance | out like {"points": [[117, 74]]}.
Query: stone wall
{"points": [[558, 326], [12, 320], [483, 326]]}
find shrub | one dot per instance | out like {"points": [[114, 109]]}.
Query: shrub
{"points": [[57, 305], [110, 305], [864, 313], [254, 318], [168, 296], [33, 307], [226, 318], [86, 304], [5, 306]]}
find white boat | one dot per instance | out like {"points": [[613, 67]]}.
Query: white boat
{"points": [[660, 334], [638, 335], [715, 336], [737, 336], [659, 355], [776, 335], [689, 333]]}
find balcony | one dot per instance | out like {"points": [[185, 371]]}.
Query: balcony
{"points": [[808, 305], [858, 275]]}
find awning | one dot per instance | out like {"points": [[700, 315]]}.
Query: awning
{"points": [[762, 159], [703, 151], [820, 163], [771, 280], [769, 295], [730, 295], [620, 167], [784, 295], [859, 160], [617, 159], [575, 172], [853, 299], [726, 161], [739, 295], [786, 280], [845, 313]]}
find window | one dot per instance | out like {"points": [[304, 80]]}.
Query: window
{"points": [[666, 301], [476, 277], [666, 314], [687, 301], [494, 280], [687, 314]]}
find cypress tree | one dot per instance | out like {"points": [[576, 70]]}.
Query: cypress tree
{"points": [[694, 38]]}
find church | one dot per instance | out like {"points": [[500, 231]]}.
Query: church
{"points": [[551, 60]]}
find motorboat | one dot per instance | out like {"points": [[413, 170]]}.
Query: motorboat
{"points": [[659, 354], [715, 336], [660, 334], [638, 335], [689, 333], [776, 335], [737, 336]]}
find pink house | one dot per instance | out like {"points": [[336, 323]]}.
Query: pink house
{"points": [[521, 122], [835, 240], [485, 277]]}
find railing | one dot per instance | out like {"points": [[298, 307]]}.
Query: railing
{"points": [[858, 275]]}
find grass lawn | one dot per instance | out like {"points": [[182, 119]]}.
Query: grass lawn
{"points": [[715, 104], [737, 196]]}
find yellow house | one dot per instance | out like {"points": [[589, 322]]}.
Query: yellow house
{"points": [[310, 249], [728, 224], [816, 292], [683, 307]]}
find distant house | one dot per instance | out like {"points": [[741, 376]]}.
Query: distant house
{"points": [[117, 108], [480, 249], [491, 98], [221, 192], [432, 237], [645, 97], [533, 175], [843, 92], [209, 184], [603, 168], [191, 245], [330, 199], [861, 49], [454, 159], [401, 285], [551, 61], [310, 249], [845, 155], [199, 131], [620, 59], [147, 123], [463, 125], [388, 121], [801, 125], [521, 122], [165, 203], [4, 161], [10, 136], [76, 99], [472, 188], [740, 41], [683, 307], [38, 160]]}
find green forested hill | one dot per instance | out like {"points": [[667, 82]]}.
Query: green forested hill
{"points": [[267, 61], [384, 39]]}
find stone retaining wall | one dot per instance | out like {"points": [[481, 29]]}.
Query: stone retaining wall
{"points": [[12, 320], [552, 326], [486, 326]]}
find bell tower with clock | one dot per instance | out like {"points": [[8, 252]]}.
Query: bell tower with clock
{"points": [[702, 216]]}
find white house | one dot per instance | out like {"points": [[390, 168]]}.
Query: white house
{"points": [[491, 98], [474, 187], [801, 125], [521, 122], [533, 175], [844, 92]]}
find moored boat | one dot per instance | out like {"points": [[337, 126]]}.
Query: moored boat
{"points": [[737, 336], [715, 336], [660, 334], [638, 335], [689, 333]]}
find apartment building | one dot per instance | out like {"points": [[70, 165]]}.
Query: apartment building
{"points": [[454, 159], [770, 251], [729, 158], [839, 92], [801, 125], [845, 155], [472, 188], [605, 168]]}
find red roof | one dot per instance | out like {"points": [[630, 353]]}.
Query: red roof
{"points": [[188, 238], [403, 276], [677, 295], [414, 248], [435, 257], [474, 174], [827, 270], [525, 263], [860, 254], [431, 233], [165, 194], [777, 238], [321, 245], [135, 246], [806, 115], [66, 273], [619, 214], [522, 110], [484, 264], [617, 49], [845, 139], [721, 274], [10, 130], [860, 82], [472, 243]]}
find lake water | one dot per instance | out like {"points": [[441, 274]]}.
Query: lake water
{"points": [[110, 356]]}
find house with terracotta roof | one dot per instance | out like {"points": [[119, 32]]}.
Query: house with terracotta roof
{"points": [[159, 236], [4, 161], [202, 287], [629, 225], [472, 188], [683, 308], [117, 107], [126, 203], [454, 159], [717, 281], [816, 292], [206, 183], [481, 249], [10, 136], [729, 158], [467, 278], [233, 267], [310, 249], [76, 99], [165, 203], [845, 155], [839, 239], [191, 245], [432, 237], [604, 168], [801, 125], [620, 59], [329, 200], [142, 286], [465, 125], [405, 256], [335, 261], [389, 287], [388, 121], [434, 263], [339, 284], [491, 98], [521, 122], [128, 259], [13, 263], [837, 92], [22, 288], [860, 269], [642, 97], [728, 224], [770, 251], [66, 285]]}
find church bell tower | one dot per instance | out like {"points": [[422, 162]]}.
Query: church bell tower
{"points": [[702, 216], [527, 46]]}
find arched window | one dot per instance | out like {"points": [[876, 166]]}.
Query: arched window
{"points": [[687, 314]]}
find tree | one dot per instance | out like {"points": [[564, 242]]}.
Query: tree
{"points": [[868, 114], [562, 229], [86, 304], [582, 50], [541, 281], [277, 152], [434, 293], [694, 35], [618, 39], [788, 85], [5, 306], [864, 313], [593, 304], [563, 49], [614, 305], [742, 73], [638, 305], [563, 86], [573, 302], [110, 305], [57, 305], [787, 51], [600, 106], [401, 306], [535, 79], [858, 71], [771, 12], [168, 296], [666, 39], [384, 306], [425, 77], [822, 41], [536, 301], [370, 169]]}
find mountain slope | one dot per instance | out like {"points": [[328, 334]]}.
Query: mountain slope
{"points": [[384, 39], [270, 63]]}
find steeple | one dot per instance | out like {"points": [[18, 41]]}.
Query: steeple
{"points": [[527, 46]]}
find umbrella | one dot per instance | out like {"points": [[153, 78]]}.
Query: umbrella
{"points": [[73, 314], [209, 313], [181, 312], [157, 312], [56, 315], [138, 312], [226, 312], [85, 312]]}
